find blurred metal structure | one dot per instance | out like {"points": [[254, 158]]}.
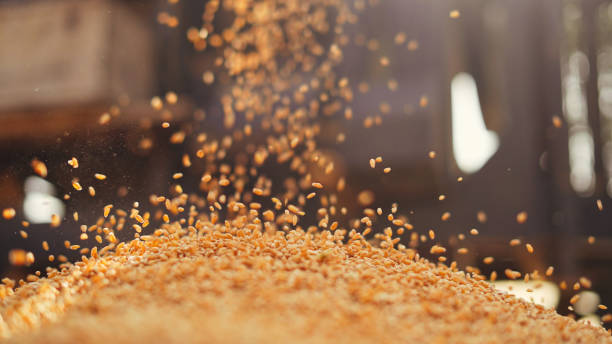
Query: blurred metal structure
{"points": [[64, 62]]}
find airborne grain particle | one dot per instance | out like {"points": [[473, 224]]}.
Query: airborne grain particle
{"points": [[412, 45], [171, 98], [292, 208], [435, 249], [557, 122], [45, 246], [73, 162], [481, 216], [55, 220], [454, 14], [178, 137], [423, 102], [521, 217], [474, 231], [294, 142], [599, 205], [399, 38], [574, 299], [591, 240], [446, 216], [107, 209], [39, 167], [585, 282], [529, 248], [76, 185], [17, 257], [8, 213], [100, 176], [156, 103], [432, 234], [145, 144], [511, 274], [365, 198], [208, 77], [104, 118], [186, 160]]}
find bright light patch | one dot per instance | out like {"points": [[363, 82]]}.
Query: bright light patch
{"points": [[542, 293], [473, 144], [39, 203], [582, 161]]}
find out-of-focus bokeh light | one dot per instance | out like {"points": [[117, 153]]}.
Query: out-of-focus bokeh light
{"points": [[473, 144], [40, 202], [546, 294]]}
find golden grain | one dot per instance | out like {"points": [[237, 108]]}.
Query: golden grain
{"points": [[76, 185], [591, 240], [39, 167], [73, 162], [55, 220], [8, 213]]}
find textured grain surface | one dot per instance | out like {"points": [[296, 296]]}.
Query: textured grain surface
{"points": [[221, 285]]}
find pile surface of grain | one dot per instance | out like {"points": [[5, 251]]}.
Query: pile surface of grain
{"points": [[226, 285]]}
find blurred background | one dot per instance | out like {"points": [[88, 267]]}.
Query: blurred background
{"points": [[515, 98]]}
